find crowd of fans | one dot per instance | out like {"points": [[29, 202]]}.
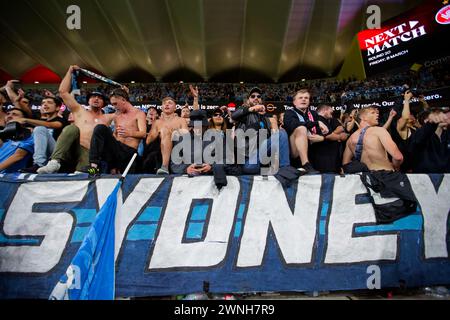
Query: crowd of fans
{"points": [[68, 136], [322, 91]]}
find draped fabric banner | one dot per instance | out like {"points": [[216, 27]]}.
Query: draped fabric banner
{"points": [[174, 234]]}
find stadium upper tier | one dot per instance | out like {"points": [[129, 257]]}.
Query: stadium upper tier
{"points": [[323, 90]]}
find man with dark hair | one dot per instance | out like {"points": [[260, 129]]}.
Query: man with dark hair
{"points": [[198, 122], [303, 126], [17, 97], [151, 158], [430, 145], [325, 155], [252, 116], [117, 149], [45, 132], [403, 131], [185, 113], [72, 148], [15, 151], [152, 116]]}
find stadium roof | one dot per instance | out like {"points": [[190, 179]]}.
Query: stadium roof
{"points": [[190, 40]]}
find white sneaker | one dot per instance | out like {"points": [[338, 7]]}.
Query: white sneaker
{"points": [[51, 167], [162, 171]]}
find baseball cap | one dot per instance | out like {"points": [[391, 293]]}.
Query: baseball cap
{"points": [[96, 94], [255, 89]]}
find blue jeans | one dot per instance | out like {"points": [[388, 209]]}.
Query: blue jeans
{"points": [[44, 144], [279, 141]]}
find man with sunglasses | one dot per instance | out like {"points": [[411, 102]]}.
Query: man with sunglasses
{"points": [[252, 116]]}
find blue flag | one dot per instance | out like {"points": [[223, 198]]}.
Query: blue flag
{"points": [[91, 274]]}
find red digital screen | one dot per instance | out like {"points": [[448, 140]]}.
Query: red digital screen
{"points": [[412, 37]]}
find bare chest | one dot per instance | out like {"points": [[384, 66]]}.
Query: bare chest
{"points": [[126, 120], [172, 124]]}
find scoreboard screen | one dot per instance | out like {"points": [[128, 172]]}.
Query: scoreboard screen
{"points": [[421, 33]]}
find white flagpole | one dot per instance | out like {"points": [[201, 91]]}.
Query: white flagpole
{"points": [[128, 167]]}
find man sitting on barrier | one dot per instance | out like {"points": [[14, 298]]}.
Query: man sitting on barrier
{"points": [[72, 147], [303, 126], [252, 119], [45, 132], [189, 159], [117, 148], [164, 127]]}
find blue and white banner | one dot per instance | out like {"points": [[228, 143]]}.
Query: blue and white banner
{"points": [[174, 234]]}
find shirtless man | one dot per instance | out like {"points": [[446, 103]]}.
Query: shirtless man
{"points": [[376, 145], [390, 191], [117, 149], [80, 132], [164, 128]]}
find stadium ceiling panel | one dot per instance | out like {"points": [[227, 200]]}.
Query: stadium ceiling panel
{"points": [[190, 40]]}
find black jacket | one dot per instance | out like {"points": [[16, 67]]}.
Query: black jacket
{"points": [[292, 121], [250, 120], [430, 154]]}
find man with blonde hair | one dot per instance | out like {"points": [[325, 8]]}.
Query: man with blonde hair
{"points": [[390, 190], [303, 127], [168, 124], [371, 144]]}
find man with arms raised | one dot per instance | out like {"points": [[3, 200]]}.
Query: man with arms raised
{"points": [[168, 124], [118, 147], [78, 135]]}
